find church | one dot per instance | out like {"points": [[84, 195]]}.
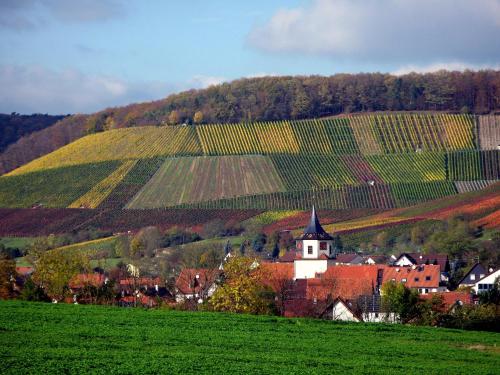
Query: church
{"points": [[317, 251]]}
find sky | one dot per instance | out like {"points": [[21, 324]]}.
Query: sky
{"points": [[81, 56]]}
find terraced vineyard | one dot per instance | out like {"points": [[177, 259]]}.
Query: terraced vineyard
{"points": [[373, 161], [195, 179]]}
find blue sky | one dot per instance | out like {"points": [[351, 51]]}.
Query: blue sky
{"points": [[65, 56]]}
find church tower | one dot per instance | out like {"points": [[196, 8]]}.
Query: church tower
{"points": [[317, 250], [315, 241]]}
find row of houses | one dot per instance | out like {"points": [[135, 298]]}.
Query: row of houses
{"points": [[313, 280], [320, 282]]}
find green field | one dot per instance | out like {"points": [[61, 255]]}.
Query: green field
{"points": [[198, 179], [74, 339]]}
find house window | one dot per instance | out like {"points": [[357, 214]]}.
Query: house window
{"points": [[323, 245], [309, 249], [473, 277], [481, 286], [427, 278], [404, 280], [417, 279]]}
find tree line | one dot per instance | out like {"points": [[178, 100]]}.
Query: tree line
{"points": [[300, 97]]}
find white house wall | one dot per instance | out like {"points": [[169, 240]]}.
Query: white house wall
{"points": [[488, 280], [341, 312], [307, 269]]}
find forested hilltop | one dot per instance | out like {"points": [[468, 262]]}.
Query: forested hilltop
{"points": [[284, 98]]}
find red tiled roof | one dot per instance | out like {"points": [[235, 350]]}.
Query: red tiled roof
{"points": [[290, 256], [349, 282], [277, 269], [24, 270], [425, 276], [195, 280], [83, 279], [451, 298]]}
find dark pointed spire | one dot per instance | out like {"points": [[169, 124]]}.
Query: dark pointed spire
{"points": [[314, 230]]}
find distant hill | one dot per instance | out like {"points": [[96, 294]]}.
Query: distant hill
{"points": [[376, 161], [15, 126], [276, 99]]}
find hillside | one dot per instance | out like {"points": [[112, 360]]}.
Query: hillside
{"points": [[376, 161], [278, 98], [15, 126], [40, 338]]}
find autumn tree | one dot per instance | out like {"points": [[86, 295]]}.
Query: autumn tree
{"points": [[54, 269], [198, 117], [145, 242], [7, 276], [242, 290], [174, 118], [279, 277]]}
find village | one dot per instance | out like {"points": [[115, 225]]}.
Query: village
{"points": [[311, 280]]}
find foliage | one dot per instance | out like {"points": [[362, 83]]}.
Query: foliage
{"points": [[15, 126], [242, 290], [145, 242], [483, 317], [7, 276], [33, 292], [54, 269], [401, 300]]}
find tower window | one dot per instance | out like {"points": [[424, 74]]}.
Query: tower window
{"points": [[309, 249]]}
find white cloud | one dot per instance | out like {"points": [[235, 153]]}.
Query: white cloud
{"points": [[29, 89], [410, 31], [201, 81], [451, 66]]}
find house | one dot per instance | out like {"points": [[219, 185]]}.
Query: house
{"points": [[349, 259], [418, 259], [310, 297], [375, 259], [451, 300], [80, 281], [24, 271], [477, 272], [425, 278], [371, 309], [196, 284], [339, 309], [487, 282]]}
